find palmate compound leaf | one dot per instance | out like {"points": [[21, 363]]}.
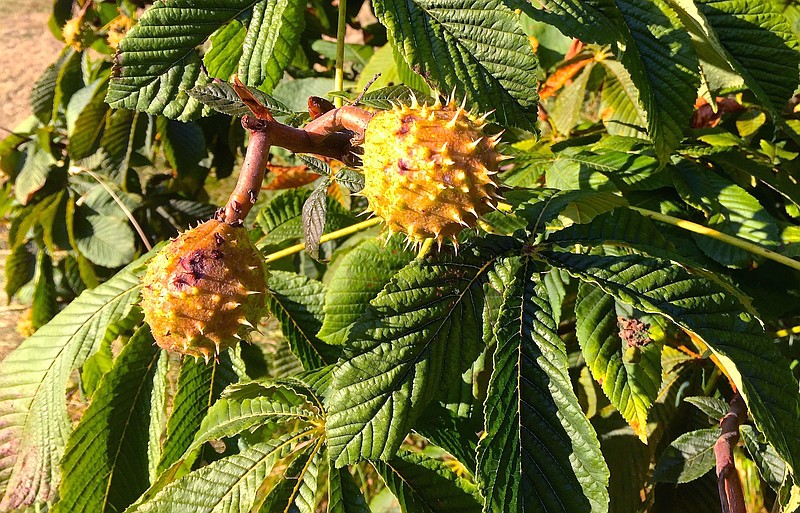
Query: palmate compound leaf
{"points": [[710, 311], [343, 493], [758, 42], [414, 342], [105, 465], [632, 387], [199, 386], [688, 457], [156, 61], [33, 417], [247, 406], [358, 278], [476, 47], [661, 60], [653, 46], [296, 302], [281, 219], [271, 41], [426, 485], [229, 485], [539, 452]]}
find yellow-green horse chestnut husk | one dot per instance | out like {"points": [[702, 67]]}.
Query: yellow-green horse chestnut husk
{"points": [[205, 290], [429, 170]]}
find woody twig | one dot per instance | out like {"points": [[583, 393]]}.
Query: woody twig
{"points": [[332, 134], [730, 486]]}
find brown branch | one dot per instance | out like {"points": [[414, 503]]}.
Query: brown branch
{"points": [[730, 486], [248, 185], [323, 136]]}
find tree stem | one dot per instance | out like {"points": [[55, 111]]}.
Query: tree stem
{"points": [[730, 486], [724, 237], [321, 137], [251, 176]]}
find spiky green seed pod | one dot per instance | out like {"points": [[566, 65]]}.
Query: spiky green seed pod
{"points": [[205, 291], [429, 170]]}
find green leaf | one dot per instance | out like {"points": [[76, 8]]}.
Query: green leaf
{"points": [[315, 210], [349, 178], [425, 485], [105, 464], [222, 59], [282, 219], [777, 178], [769, 60], [539, 452], [106, 241], [355, 53], [569, 102], [199, 386], [44, 92], [233, 415], [272, 39], [443, 428], [156, 61], [45, 300], [688, 457], [703, 307], [86, 113], [628, 228], [632, 387], [620, 108], [770, 465], [283, 490], [20, 267], [295, 93], [306, 500], [387, 62], [420, 334], [222, 98], [572, 206], [184, 146], [382, 98], [711, 406], [122, 131], [33, 380], [662, 63], [38, 164], [576, 18], [620, 226], [47, 214], [570, 175], [296, 301], [228, 485], [343, 493], [478, 48], [101, 362], [359, 277], [730, 209], [157, 414]]}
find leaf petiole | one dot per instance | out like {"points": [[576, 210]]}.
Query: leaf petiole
{"points": [[724, 237], [341, 29], [344, 232]]}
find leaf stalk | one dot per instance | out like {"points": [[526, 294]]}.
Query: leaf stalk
{"points": [[344, 232], [723, 237], [341, 30]]}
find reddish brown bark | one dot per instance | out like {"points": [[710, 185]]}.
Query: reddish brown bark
{"points": [[332, 134], [730, 486]]}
